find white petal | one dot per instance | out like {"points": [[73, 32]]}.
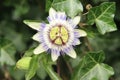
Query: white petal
{"points": [[36, 37], [52, 12], [72, 53], [76, 42], [54, 56], [76, 20], [34, 25], [82, 33], [61, 15], [38, 50]]}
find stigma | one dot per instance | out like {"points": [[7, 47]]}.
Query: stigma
{"points": [[59, 35]]}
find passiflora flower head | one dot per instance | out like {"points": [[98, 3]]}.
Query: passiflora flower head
{"points": [[59, 35]]}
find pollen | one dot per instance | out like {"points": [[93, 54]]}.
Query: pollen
{"points": [[59, 35]]}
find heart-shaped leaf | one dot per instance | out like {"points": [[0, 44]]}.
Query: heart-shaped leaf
{"points": [[92, 68], [103, 17], [71, 7], [7, 52]]}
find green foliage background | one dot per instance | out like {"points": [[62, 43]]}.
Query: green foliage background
{"points": [[15, 39]]}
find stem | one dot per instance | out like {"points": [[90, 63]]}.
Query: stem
{"points": [[82, 24], [58, 67], [51, 72], [69, 67], [6, 73], [85, 13], [40, 5], [88, 44]]}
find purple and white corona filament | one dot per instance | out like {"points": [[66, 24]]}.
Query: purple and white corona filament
{"points": [[59, 36]]}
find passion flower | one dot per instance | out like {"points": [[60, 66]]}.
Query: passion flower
{"points": [[58, 36]]}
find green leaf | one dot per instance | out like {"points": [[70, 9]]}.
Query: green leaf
{"points": [[103, 17], [20, 9], [16, 74], [7, 52], [92, 68], [48, 5], [71, 7], [33, 67], [14, 36]]}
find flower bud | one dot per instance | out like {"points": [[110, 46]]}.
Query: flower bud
{"points": [[24, 63]]}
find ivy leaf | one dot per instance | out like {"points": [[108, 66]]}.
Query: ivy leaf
{"points": [[92, 68], [16, 38], [71, 7], [48, 5], [33, 67], [7, 52], [103, 17]]}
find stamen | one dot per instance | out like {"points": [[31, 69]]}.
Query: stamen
{"points": [[58, 35]]}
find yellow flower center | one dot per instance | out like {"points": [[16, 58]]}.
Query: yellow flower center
{"points": [[59, 35]]}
